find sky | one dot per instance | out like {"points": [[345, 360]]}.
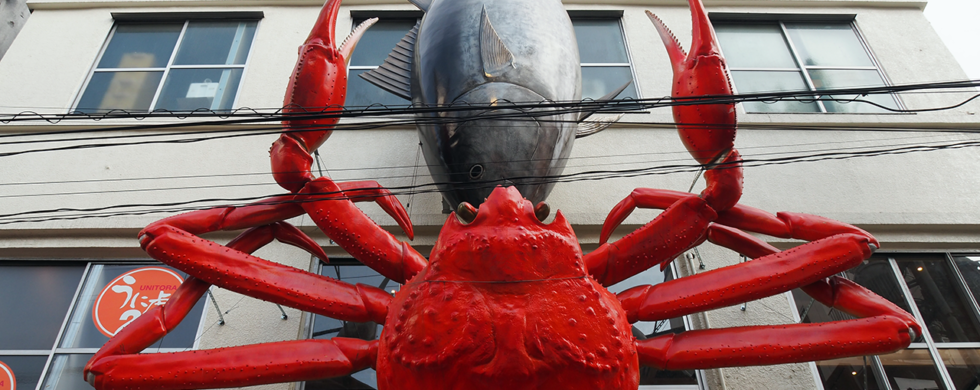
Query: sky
{"points": [[958, 23]]}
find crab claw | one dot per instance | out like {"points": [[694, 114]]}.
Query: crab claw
{"points": [[318, 83], [707, 130]]}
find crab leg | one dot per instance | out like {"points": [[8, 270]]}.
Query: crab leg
{"points": [[286, 361]]}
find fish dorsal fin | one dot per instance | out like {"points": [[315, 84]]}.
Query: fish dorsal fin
{"points": [[395, 74], [596, 124], [609, 96], [422, 4], [496, 57]]}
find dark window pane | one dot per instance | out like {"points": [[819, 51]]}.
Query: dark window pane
{"points": [[748, 82], [911, 369], [828, 45], [215, 43], [837, 79], [876, 274], [969, 267], [597, 81], [34, 301], [141, 46], [755, 46], [361, 93], [939, 299], [352, 272], [963, 366], [379, 40], [26, 370], [645, 330], [82, 331], [191, 89], [131, 91], [853, 373], [66, 373], [600, 41]]}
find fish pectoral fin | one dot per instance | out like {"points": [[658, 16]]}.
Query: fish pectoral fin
{"points": [[422, 4], [586, 113], [496, 57], [395, 74], [596, 124]]}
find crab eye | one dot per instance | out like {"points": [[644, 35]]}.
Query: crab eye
{"points": [[465, 213], [541, 211]]}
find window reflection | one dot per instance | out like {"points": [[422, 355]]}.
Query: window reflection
{"points": [[350, 271], [963, 366], [938, 298], [911, 369]]}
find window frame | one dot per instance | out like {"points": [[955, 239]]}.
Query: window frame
{"points": [[357, 16], [56, 350], [168, 17], [801, 68], [928, 343]]}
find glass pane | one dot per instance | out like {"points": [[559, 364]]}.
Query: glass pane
{"points": [[963, 366], [597, 81], [644, 330], [83, 331], [754, 46], [855, 373], [939, 298], [141, 46], [834, 79], [215, 43], [130, 91], [876, 274], [600, 41], [361, 93], [828, 45], [911, 369], [66, 373], [26, 370], [378, 41], [192, 89], [970, 269], [34, 301], [761, 82], [327, 328]]}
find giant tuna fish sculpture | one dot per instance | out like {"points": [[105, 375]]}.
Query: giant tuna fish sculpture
{"points": [[491, 54]]}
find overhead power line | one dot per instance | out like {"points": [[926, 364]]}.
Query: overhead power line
{"points": [[147, 208]]}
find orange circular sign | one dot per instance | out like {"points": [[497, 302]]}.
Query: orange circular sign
{"points": [[7, 380], [130, 295]]}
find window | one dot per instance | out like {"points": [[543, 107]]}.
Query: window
{"points": [[47, 333], [602, 50], [940, 290], [800, 56], [605, 60], [177, 66], [350, 271]]}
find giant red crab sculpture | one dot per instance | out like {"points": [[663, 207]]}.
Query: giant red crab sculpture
{"points": [[506, 300]]}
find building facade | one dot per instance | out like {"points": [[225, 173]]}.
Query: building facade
{"points": [[70, 213]]}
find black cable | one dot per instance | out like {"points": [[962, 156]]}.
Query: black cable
{"points": [[432, 187]]}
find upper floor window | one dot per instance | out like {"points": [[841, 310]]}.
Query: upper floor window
{"points": [[800, 56], [175, 66], [602, 51]]}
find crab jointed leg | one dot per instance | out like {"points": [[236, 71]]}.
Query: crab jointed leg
{"points": [[117, 365], [318, 83], [708, 133]]}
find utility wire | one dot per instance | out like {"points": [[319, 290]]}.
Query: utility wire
{"points": [[118, 210]]}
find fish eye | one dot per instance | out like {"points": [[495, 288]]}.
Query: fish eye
{"points": [[465, 213], [541, 211], [476, 172]]}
